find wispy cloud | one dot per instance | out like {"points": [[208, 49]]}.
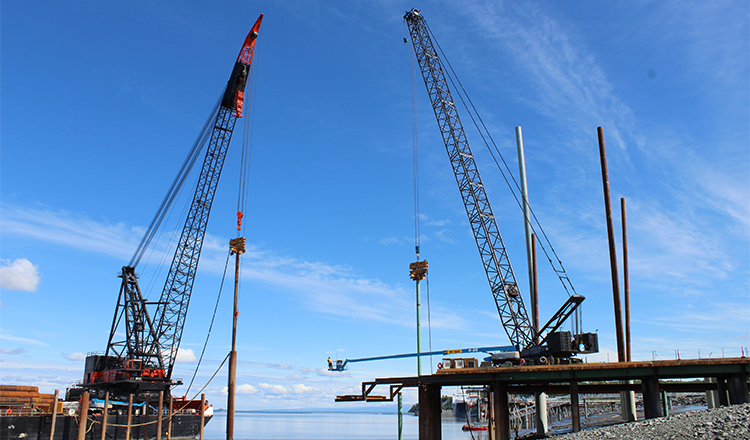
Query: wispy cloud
{"points": [[13, 351], [338, 292], [568, 85], [333, 290], [713, 34], [708, 321], [391, 240], [69, 229], [278, 366], [428, 220], [688, 202], [7, 337]]}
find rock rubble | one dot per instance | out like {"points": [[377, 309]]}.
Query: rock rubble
{"points": [[727, 422]]}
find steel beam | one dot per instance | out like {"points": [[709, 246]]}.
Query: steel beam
{"points": [[564, 379]]}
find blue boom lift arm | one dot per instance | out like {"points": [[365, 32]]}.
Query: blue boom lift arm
{"points": [[340, 365]]}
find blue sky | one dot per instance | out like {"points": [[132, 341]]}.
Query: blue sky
{"points": [[101, 102]]}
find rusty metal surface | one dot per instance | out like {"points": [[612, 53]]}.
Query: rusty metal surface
{"points": [[602, 366], [556, 379]]}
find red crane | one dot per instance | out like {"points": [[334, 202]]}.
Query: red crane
{"points": [[142, 363]]}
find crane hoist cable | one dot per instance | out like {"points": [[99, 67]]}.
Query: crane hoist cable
{"points": [[166, 210], [244, 165], [492, 250], [153, 337], [247, 147], [514, 188], [429, 324], [173, 229], [176, 186], [417, 215], [246, 152], [415, 147], [211, 325], [247, 143]]}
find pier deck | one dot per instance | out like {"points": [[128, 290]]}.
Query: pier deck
{"points": [[728, 376]]}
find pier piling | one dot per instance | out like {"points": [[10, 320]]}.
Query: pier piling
{"points": [[575, 415], [104, 416], [83, 412], [158, 419], [54, 416], [130, 417], [429, 412]]}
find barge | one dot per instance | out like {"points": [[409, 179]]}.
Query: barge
{"points": [[26, 414]]}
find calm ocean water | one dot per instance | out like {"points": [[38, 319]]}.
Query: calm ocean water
{"points": [[326, 425], [342, 426]]}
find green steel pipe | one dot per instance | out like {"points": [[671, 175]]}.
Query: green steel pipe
{"points": [[400, 418], [419, 330]]}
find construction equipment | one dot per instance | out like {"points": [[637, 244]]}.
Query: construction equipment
{"points": [[142, 363], [340, 365], [505, 290]]}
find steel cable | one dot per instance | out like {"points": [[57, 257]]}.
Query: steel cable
{"points": [[176, 187], [211, 326], [472, 112], [247, 144]]}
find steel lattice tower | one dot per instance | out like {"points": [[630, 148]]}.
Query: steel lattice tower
{"points": [[500, 274]]}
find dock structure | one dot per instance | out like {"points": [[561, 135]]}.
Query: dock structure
{"points": [[652, 379]]}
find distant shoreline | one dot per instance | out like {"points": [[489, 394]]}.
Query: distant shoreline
{"points": [[310, 411]]}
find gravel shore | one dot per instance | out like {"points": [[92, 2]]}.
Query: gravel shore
{"points": [[727, 422]]}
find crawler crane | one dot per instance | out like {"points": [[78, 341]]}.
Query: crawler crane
{"points": [[145, 336], [535, 346]]}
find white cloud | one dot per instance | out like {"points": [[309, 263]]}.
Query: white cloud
{"points": [[272, 389], [21, 274], [246, 389], [77, 356], [185, 355], [329, 289], [329, 373], [304, 389]]}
